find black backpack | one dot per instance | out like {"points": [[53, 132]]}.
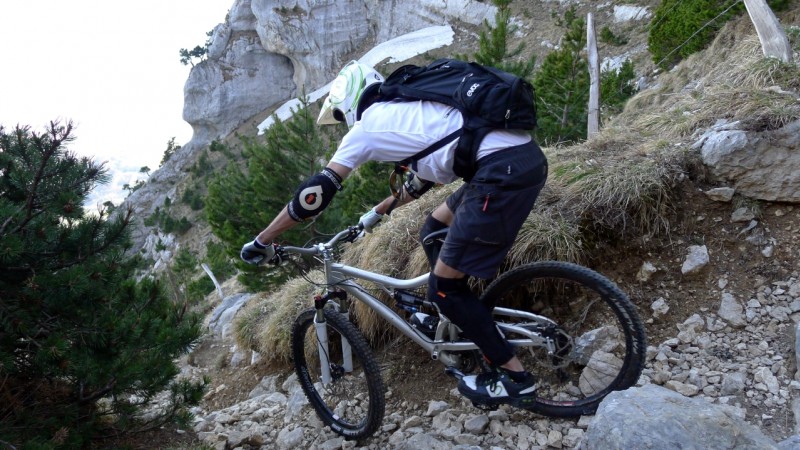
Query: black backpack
{"points": [[488, 99]]}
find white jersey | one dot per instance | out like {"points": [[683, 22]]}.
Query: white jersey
{"points": [[393, 131]]}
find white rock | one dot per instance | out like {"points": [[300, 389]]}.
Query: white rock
{"points": [[659, 307], [721, 194], [696, 260], [731, 310], [646, 271]]}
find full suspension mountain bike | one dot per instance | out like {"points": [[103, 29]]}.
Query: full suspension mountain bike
{"points": [[574, 329]]}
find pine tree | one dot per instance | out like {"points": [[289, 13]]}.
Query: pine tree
{"points": [[616, 87], [76, 329], [493, 45], [562, 87], [679, 29]]}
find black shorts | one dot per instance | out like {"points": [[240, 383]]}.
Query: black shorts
{"points": [[490, 210]]}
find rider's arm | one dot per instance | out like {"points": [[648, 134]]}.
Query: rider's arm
{"points": [[383, 207], [284, 221], [413, 189]]}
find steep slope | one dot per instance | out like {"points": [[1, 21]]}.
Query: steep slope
{"points": [[252, 69], [724, 333]]}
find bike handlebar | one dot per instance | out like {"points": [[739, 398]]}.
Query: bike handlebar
{"points": [[347, 235]]}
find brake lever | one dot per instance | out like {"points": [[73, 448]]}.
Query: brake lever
{"points": [[355, 232]]}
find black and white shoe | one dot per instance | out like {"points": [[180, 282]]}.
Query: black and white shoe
{"points": [[497, 386]]}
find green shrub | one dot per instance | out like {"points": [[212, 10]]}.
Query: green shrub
{"points": [[680, 28], [83, 346], [608, 36], [616, 87]]}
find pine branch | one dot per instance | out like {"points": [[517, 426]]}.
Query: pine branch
{"points": [[109, 242], [97, 394], [57, 138]]}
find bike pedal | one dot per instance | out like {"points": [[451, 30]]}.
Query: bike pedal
{"points": [[484, 406], [453, 372]]}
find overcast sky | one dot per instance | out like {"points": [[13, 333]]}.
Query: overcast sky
{"points": [[113, 68]]}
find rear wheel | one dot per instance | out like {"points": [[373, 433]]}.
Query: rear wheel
{"points": [[351, 402], [595, 336]]}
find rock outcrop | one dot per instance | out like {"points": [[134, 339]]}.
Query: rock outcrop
{"points": [[268, 50], [763, 165]]}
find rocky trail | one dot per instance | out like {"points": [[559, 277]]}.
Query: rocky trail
{"points": [[721, 371]]}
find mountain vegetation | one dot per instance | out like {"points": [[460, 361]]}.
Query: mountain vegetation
{"points": [[83, 346]]}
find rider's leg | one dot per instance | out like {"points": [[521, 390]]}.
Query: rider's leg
{"points": [[448, 288], [509, 384], [485, 216], [432, 246]]}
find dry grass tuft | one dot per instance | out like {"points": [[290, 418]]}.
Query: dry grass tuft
{"points": [[265, 324], [546, 236], [393, 249], [625, 187], [731, 80]]}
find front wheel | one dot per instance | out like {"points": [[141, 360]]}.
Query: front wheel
{"points": [[347, 392], [590, 339]]}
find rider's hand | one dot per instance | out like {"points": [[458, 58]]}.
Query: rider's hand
{"points": [[255, 252], [369, 220]]}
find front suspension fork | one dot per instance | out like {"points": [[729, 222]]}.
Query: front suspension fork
{"points": [[321, 329]]}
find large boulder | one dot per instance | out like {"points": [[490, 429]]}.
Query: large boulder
{"points": [[763, 165], [654, 417]]}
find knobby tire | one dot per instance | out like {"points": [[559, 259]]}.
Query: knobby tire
{"points": [[601, 337], [353, 403]]}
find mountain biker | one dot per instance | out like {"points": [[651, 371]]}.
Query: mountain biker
{"points": [[484, 214]]}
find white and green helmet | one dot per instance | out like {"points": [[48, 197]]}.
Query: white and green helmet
{"points": [[346, 91]]}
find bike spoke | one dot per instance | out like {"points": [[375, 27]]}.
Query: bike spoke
{"points": [[582, 347], [344, 393]]}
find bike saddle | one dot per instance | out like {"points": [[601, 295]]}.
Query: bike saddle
{"points": [[436, 235]]}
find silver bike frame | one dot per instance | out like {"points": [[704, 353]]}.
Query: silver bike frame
{"points": [[342, 276]]}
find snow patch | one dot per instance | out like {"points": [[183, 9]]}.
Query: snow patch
{"points": [[624, 13]]}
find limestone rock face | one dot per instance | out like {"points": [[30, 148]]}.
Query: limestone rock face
{"points": [[237, 81], [266, 51]]}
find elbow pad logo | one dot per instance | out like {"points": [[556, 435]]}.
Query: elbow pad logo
{"points": [[311, 198]]}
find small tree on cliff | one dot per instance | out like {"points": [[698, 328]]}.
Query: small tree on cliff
{"points": [[562, 86], [83, 347], [199, 52]]}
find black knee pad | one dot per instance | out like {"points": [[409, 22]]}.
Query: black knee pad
{"points": [[431, 246], [456, 301]]}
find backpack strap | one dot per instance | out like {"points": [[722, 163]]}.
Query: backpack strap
{"points": [[412, 160], [466, 155], [401, 167]]}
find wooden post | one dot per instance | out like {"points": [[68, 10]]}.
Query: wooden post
{"points": [[770, 32], [593, 123]]}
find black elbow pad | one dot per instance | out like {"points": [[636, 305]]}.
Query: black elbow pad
{"points": [[314, 195]]}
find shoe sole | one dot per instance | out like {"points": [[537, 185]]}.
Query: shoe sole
{"points": [[524, 402]]}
